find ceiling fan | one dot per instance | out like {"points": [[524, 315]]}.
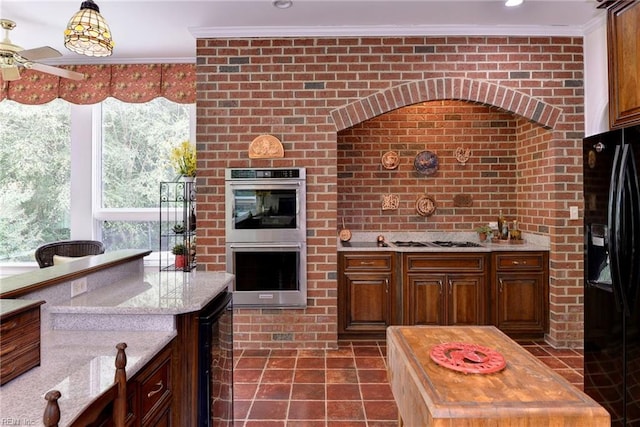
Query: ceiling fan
{"points": [[13, 56]]}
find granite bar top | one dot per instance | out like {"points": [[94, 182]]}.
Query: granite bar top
{"points": [[78, 356], [531, 242], [148, 301], [21, 284], [80, 366]]}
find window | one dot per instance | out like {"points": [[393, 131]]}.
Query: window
{"points": [[134, 159], [35, 179], [56, 184]]}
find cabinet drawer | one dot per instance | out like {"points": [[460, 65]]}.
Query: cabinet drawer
{"points": [[155, 388], [524, 261], [19, 361], [367, 262], [454, 263], [14, 325], [19, 339]]}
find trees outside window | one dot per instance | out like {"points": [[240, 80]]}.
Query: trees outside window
{"points": [[132, 143], [34, 177], [136, 144]]}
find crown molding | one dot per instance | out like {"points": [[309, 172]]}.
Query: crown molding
{"points": [[594, 24], [345, 31], [384, 30]]}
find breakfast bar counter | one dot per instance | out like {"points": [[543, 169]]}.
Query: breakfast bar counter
{"points": [[525, 392], [79, 334]]}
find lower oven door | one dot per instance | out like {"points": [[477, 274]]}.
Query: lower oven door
{"points": [[268, 274]]}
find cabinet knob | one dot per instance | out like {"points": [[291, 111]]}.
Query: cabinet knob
{"points": [[450, 287], [501, 284], [386, 282], [440, 286], [514, 262]]}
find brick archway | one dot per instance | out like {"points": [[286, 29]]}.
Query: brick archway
{"points": [[461, 89]]}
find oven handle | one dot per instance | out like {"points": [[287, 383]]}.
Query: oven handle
{"points": [[265, 245]]}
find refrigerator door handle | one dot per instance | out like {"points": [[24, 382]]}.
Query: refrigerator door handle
{"points": [[630, 232], [613, 227]]}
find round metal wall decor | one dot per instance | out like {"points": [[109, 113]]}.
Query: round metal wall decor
{"points": [[426, 163], [425, 205], [390, 160], [468, 358]]}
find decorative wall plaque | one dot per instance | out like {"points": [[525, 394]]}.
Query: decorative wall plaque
{"points": [[462, 200], [390, 160], [426, 163], [266, 147], [390, 202], [462, 154], [425, 205]]}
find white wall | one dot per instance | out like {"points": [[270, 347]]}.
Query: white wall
{"points": [[596, 86]]}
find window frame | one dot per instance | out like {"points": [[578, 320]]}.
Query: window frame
{"points": [[86, 211]]}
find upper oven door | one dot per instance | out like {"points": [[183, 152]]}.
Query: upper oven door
{"points": [[258, 211]]}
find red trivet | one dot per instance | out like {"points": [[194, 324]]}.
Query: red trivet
{"points": [[468, 358]]}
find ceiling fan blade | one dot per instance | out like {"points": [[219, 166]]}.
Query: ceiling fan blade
{"points": [[61, 72], [39, 53], [10, 74]]}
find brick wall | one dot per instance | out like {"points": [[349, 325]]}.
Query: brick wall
{"points": [[489, 177], [305, 91]]}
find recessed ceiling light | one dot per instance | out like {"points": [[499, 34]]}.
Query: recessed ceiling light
{"points": [[283, 4], [511, 3]]}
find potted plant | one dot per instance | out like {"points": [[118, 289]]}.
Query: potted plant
{"points": [[183, 160], [180, 251], [178, 228], [483, 231]]}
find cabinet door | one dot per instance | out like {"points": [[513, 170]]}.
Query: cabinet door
{"points": [[623, 25], [519, 302], [367, 301], [465, 301], [425, 299]]}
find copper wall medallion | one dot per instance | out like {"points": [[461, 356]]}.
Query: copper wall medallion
{"points": [[425, 206], [266, 147]]}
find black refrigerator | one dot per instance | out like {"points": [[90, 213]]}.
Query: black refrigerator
{"points": [[612, 273]]}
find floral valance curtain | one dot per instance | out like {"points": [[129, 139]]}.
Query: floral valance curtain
{"points": [[132, 83]]}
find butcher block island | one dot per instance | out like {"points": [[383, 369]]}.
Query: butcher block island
{"points": [[523, 393]]}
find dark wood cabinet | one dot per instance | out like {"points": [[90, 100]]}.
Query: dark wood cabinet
{"points": [[444, 289], [19, 339], [623, 27], [520, 298], [366, 293], [151, 392]]}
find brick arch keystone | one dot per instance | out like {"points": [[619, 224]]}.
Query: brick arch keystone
{"points": [[461, 89]]}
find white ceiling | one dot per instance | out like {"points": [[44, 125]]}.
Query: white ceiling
{"points": [[163, 30]]}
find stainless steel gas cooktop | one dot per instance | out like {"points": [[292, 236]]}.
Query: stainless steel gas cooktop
{"points": [[365, 245], [437, 244], [450, 244]]}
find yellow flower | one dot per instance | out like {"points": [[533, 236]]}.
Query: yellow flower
{"points": [[183, 158]]}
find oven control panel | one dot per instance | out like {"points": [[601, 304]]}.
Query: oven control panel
{"points": [[265, 173]]}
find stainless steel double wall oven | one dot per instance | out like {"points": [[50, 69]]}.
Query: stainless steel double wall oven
{"points": [[266, 236]]}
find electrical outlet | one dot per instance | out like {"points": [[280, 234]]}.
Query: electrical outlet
{"points": [[573, 212], [78, 287]]}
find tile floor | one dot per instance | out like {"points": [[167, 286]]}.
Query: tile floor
{"points": [[343, 387]]}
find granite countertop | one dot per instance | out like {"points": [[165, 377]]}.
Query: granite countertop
{"points": [[80, 366], [367, 241], [78, 353]]}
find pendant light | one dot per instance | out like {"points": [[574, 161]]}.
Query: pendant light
{"points": [[87, 33]]}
